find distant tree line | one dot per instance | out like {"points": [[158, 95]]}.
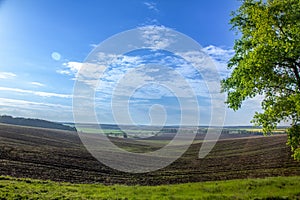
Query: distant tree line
{"points": [[239, 131], [232, 131], [34, 123], [168, 130]]}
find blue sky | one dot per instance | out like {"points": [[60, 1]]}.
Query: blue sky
{"points": [[44, 43]]}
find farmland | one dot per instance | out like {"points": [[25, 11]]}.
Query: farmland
{"points": [[60, 156]]}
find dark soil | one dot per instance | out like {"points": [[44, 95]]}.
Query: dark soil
{"points": [[60, 156]]}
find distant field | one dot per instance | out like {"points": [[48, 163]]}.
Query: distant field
{"points": [[116, 132], [60, 156], [276, 131], [268, 188], [146, 131]]}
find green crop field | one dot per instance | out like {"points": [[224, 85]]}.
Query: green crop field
{"points": [[268, 188]]}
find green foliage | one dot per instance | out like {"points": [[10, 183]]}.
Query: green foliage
{"points": [[267, 63], [268, 188], [294, 140]]}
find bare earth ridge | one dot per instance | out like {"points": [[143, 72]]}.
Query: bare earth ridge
{"points": [[60, 156]]}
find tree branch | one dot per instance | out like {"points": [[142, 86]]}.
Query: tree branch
{"points": [[282, 88], [281, 30], [296, 72]]}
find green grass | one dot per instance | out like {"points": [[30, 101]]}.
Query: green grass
{"points": [[276, 131], [268, 188]]}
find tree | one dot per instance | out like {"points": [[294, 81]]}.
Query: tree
{"points": [[267, 62]]}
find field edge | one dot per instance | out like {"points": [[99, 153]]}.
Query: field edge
{"points": [[262, 188]]}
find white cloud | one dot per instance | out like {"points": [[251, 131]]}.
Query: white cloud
{"points": [[71, 68], [211, 62], [151, 6], [49, 111], [110, 68], [157, 37], [64, 71], [150, 21], [89, 73], [37, 84], [93, 45], [37, 93], [198, 59], [7, 75], [127, 76], [124, 70], [218, 51], [220, 55], [28, 104]]}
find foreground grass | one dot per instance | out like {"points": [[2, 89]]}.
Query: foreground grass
{"points": [[268, 188]]}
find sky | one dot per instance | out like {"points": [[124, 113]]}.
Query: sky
{"points": [[47, 45]]}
